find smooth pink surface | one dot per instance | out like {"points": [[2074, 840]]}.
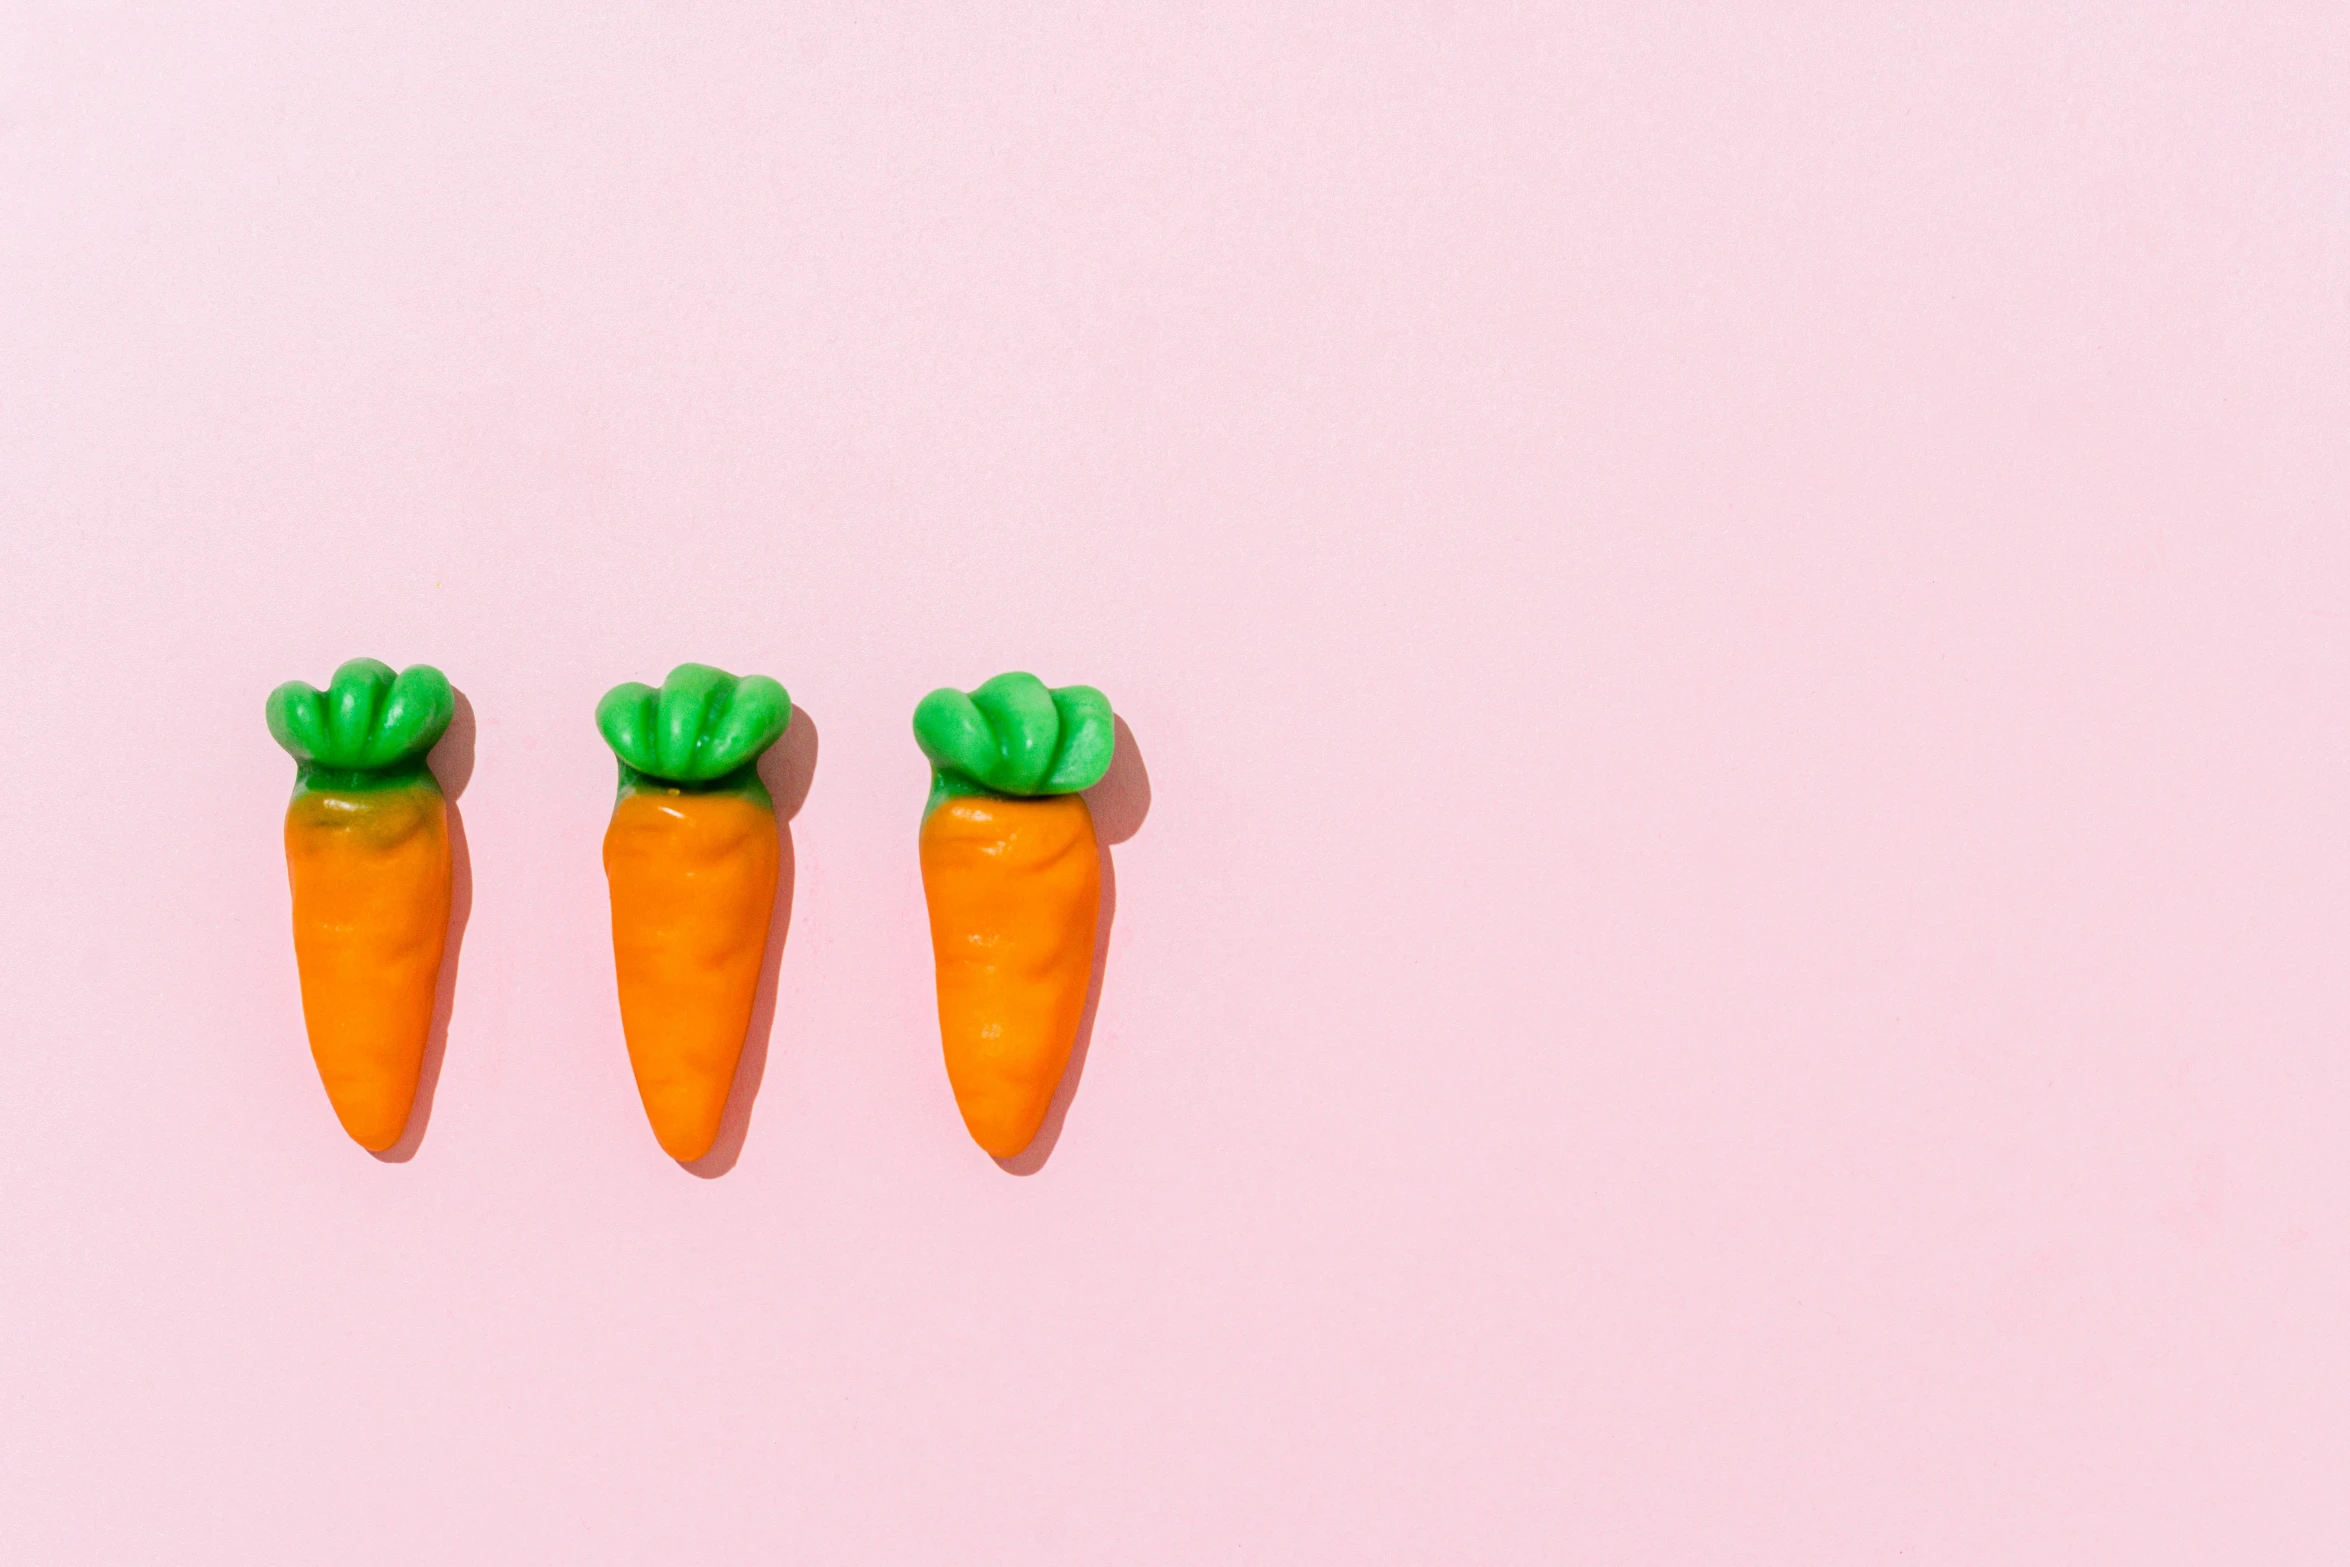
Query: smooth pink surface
{"points": [[1739, 619]]}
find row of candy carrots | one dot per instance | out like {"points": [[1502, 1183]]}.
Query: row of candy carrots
{"points": [[1010, 867]]}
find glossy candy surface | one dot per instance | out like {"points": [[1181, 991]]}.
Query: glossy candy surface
{"points": [[1012, 873], [367, 854], [691, 855]]}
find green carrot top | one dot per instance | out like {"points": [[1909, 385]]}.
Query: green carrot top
{"points": [[1015, 736], [703, 731], [369, 729]]}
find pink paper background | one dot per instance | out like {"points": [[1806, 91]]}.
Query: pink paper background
{"points": [[1737, 620]]}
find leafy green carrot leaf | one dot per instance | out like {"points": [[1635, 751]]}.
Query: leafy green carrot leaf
{"points": [[1015, 736], [368, 720], [1089, 737], [1020, 715], [701, 726]]}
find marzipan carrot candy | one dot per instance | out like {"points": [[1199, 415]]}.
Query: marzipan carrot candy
{"points": [[691, 855], [367, 851], [1013, 877]]}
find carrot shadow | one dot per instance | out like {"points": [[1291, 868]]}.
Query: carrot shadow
{"points": [[788, 770], [1118, 803], [452, 764]]}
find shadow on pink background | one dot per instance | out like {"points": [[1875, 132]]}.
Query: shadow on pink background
{"points": [[1739, 616]]}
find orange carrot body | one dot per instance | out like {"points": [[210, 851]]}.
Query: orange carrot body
{"points": [[371, 880], [693, 886], [1014, 888]]}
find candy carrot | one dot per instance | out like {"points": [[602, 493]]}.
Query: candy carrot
{"points": [[1013, 877], [367, 851], [691, 855]]}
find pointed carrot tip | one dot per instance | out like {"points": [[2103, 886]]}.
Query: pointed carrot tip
{"points": [[1000, 1142], [375, 1139], [686, 1150]]}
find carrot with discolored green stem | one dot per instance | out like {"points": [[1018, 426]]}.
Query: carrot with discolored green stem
{"points": [[1012, 873], [367, 854], [692, 855]]}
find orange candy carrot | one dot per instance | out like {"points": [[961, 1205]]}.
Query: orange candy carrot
{"points": [[367, 852], [1012, 872], [691, 854]]}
